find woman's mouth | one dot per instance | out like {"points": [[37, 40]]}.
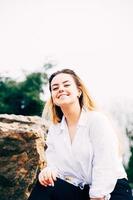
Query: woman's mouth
{"points": [[62, 96]]}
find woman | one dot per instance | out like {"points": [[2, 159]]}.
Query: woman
{"points": [[83, 160]]}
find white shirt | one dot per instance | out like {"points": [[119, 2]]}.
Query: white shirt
{"points": [[93, 156]]}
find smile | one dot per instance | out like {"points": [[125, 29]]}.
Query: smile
{"points": [[62, 96]]}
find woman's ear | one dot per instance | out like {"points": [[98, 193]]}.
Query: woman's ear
{"points": [[79, 93]]}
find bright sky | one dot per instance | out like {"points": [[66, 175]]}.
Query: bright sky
{"points": [[95, 38]]}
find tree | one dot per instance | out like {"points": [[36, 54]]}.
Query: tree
{"points": [[130, 168], [23, 98]]}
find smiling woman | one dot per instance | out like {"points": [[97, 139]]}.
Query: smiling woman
{"points": [[64, 91], [72, 83], [83, 160]]}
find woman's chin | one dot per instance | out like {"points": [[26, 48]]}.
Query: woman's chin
{"points": [[64, 103]]}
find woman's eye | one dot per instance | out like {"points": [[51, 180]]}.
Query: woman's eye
{"points": [[56, 88]]}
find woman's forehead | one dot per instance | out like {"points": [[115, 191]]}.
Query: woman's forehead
{"points": [[60, 78]]}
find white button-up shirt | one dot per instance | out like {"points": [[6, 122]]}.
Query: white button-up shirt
{"points": [[92, 158]]}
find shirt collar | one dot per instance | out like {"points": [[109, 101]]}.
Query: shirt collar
{"points": [[82, 119], [63, 123]]}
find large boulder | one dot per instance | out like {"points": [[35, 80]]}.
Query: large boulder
{"points": [[22, 144]]}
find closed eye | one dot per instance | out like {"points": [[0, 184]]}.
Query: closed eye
{"points": [[55, 88], [66, 85]]}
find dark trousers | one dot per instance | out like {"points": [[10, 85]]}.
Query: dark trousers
{"points": [[63, 190], [122, 190]]}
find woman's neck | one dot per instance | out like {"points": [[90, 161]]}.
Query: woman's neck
{"points": [[72, 114]]}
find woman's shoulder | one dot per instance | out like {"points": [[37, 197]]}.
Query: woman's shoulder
{"points": [[54, 128], [97, 115], [101, 124], [98, 118]]}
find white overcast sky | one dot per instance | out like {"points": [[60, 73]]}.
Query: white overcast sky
{"points": [[95, 38]]}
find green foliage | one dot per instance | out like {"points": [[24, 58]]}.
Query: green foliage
{"points": [[23, 98], [130, 168]]}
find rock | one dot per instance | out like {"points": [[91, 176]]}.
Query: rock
{"points": [[22, 144]]}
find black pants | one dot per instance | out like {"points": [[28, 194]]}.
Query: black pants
{"points": [[122, 190], [63, 190]]}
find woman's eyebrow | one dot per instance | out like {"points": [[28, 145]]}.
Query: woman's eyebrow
{"points": [[56, 84]]}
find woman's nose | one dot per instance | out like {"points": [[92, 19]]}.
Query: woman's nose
{"points": [[61, 89]]}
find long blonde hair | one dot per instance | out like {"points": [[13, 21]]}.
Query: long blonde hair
{"points": [[53, 111]]}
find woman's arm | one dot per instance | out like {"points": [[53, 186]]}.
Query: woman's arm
{"points": [[105, 160], [51, 151], [48, 175]]}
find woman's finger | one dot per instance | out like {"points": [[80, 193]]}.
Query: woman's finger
{"points": [[47, 177], [54, 176], [42, 180]]}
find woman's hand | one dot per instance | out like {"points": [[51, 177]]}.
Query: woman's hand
{"points": [[102, 198], [47, 177]]}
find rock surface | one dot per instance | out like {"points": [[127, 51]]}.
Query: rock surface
{"points": [[22, 144]]}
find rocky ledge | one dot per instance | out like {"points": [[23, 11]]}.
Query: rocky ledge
{"points": [[22, 144]]}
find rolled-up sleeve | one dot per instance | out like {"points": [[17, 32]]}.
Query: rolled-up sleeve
{"points": [[105, 159]]}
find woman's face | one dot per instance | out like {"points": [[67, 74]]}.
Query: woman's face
{"points": [[64, 90]]}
